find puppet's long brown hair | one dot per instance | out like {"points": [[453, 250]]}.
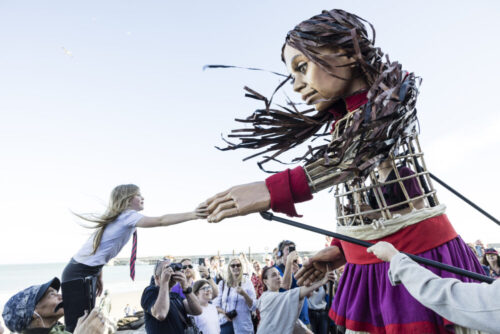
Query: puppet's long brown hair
{"points": [[277, 129]]}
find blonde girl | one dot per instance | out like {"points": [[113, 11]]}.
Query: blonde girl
{"points": [[114, 229]]}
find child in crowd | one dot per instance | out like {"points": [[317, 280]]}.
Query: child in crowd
{"points": [[208, 320], [113, 230]]}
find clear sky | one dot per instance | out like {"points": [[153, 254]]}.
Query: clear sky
{"points": [[98, 93]]}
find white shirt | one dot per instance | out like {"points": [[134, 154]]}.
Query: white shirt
{"points": [[208, 320], [115, 236], [242, 323], [317, 301], [471, 305], [279, 312]]}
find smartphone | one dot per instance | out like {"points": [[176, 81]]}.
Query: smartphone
{"points": [[291, 248], [201, 261]]}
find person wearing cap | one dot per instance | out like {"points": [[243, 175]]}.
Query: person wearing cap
{"points": [[37, 310], [471, 305], [491, 262]]}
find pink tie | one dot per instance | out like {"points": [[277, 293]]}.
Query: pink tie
{"points": [[133, 256]]}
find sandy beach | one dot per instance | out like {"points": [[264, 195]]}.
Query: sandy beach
{"points": [[120, 300]]}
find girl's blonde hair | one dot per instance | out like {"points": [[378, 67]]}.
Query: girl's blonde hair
{"points": [[118, 202], [231, 281]]}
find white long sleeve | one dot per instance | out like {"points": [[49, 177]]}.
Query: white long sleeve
{"points": [[471, 305]]}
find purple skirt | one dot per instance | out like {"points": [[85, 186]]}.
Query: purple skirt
{"points": [[366, 300]]}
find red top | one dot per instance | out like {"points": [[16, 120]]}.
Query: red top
{"points": [[290, 186], [433, 232]]}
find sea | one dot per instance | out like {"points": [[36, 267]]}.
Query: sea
{"points": [[16, 277]]}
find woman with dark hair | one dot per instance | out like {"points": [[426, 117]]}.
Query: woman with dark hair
{"points": [[491, 260], [374, 162], [287, 304]]}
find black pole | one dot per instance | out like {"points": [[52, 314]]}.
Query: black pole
{"points": [[269, 216], [465, 199]]}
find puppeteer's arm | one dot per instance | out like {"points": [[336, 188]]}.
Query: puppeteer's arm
{"points": [[471, 305]]}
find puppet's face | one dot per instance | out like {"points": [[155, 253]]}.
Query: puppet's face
{"points": [[318, 87]]}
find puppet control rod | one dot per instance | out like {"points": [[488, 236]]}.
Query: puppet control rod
{"points": [[269, 216], [463, 198]]}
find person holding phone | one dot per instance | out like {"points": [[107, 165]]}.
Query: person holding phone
{"points": [[190, 272], [205, 275], [114, 228], [287, 265]]}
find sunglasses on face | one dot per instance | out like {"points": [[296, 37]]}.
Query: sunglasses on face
{"points": [[236, 265], [188, 266], [206, 288]]}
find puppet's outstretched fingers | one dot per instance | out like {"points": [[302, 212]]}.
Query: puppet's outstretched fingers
{"points": [[217, 201], [314, 277], [305, 275], [229, 204], [223, 214], [210, 200]]}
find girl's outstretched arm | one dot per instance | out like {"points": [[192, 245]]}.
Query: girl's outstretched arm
{"points": [[174, 218]]}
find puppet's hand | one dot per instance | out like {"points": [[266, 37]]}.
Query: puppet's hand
{"points": [[239, 201], [315, 268]]}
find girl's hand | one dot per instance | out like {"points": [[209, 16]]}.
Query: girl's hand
{"points": [[201, 211], [238, 201]]}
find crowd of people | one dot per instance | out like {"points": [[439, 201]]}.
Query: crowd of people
{"points": [[241, 295]]}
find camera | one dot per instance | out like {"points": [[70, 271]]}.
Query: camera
{"points": [[291, 248], [175, 266], [231, 314]]}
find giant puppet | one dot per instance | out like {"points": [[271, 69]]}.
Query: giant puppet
{"points": [[365, 104]]}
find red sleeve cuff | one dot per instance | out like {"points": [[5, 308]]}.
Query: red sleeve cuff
{"points": [[299, 186], [286, 188], [336, 242]]}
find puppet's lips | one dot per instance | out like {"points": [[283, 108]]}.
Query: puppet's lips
{"points": [[308, 97]]}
